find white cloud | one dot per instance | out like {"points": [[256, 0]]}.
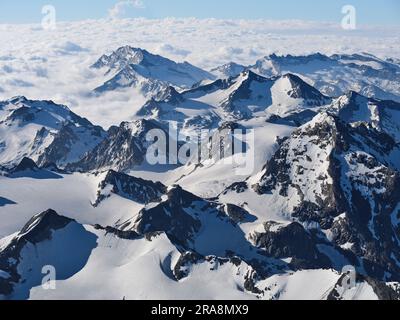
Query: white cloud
{"points": [[166, 48], [120, 7], [68, 47], [39, 71]]}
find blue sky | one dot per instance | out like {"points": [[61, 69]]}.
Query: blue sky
{"points": [[376, 12]]}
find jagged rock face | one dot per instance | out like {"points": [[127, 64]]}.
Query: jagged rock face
{"points": [[162, 107], [170, 216], [247, 89], [380, 115], [128, 78], [169, 106], [238, 187], [123, 148], [337, 74], [245, 274], [135, 189], [302, 90], [70, 138], [169, 95], [242, 97], [221, 143], [384, 291], [228, 70], [201, 226], [121, 58], [38, 229], [293, 120], [43, 131], [186, 260], [291, 241], [25, 164], [151, 74], [238, 214], [48, 239], [126, 235], [336, 175], [186, 219]]}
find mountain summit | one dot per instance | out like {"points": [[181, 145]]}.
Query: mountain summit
{"points": [[138, 68]]}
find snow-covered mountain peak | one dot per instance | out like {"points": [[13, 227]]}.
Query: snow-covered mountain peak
{"points": [[241, 97], [380, 114], [138, 68], [297, 88], [228, 70], [295, 100], [48, 239], [22, 111], [322, 117], [274, 65], [42, 224], [337, 74], [44, 131], [249, 75], [15, 100], [135, 189], [123, 148], [292, 59], [353, 107], [170, 95], [139, 127], [322, 192], [343, 177], [122, 57], [25, 164]]}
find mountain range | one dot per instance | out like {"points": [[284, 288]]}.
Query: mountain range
{"points": [[146, 72], [322, 194]]}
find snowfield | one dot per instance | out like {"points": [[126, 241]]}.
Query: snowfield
{"points": [[315, 216]]}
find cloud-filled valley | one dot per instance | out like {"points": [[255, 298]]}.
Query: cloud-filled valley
{"points": [[54, 65]]}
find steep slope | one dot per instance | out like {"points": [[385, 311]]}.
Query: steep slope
{"points": [[123, 148], [132, 188], [243, 97], [137, 68], [380, 114], [228, 70], [322, 193], [190, 222], [207, 227], [341, 177], [337, 74], [44, 131], [27, 168], [223, 157], [134, 265], [116, 264], [294, 100], [46, 240]]}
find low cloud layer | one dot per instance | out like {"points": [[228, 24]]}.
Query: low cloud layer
{"points": [[54, 65], [119, 9]]}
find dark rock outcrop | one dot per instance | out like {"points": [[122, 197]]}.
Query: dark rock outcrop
{"points": [[345, 183], [291, 241], [132, 188]]}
